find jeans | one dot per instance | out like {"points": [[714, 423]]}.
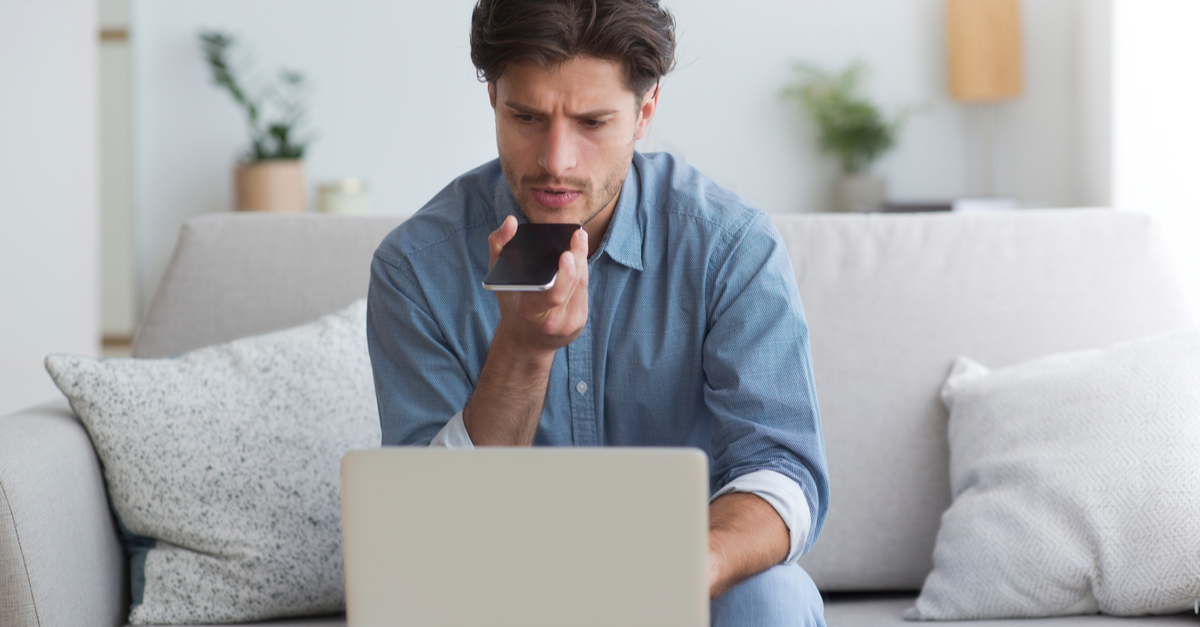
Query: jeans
{"points": [[782, 596]]}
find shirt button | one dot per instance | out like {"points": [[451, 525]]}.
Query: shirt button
{"points": [[581, 387]]}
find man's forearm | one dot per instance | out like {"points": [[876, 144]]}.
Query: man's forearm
{"points": [[745, 537], [507, 402]]}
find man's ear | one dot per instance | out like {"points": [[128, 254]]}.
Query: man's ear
{"points": [[492, 93], [647, 109]]}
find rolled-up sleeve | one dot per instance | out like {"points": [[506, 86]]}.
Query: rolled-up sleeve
{"points": [[758, 369], [419, 381], [453, 435], [782, 494]]}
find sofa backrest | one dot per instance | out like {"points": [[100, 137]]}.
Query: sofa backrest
{"points": [[891, 300], [238, 274]]}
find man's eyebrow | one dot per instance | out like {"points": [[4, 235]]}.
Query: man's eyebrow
{"points": [[522, 108], [599, 113], [586, 115]]}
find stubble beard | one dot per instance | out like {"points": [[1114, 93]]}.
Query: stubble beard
{"points": [[610, 187]]}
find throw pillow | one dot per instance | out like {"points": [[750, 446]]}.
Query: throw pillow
{"points": [[223, 467], [1076, 485]]}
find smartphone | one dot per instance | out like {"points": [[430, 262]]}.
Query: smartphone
{"points": [[529, 261]]}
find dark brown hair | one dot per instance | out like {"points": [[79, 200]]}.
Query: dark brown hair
{"points": [[638, 34]]}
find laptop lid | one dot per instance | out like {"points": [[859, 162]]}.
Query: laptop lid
{"points": [[543, 536]]}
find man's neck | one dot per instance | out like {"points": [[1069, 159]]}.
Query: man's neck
{"points": [[597, 227]]}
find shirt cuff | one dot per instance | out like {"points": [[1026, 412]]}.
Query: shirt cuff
{"points": [[454, 435], [780, 492]]}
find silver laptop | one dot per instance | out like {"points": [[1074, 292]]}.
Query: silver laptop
{"points": [[545, 536]]}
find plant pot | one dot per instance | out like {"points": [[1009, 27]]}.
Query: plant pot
{"points": [[274, 185], [860, 192]]}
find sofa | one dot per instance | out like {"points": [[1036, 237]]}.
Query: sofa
{"points": [[891, 301]]}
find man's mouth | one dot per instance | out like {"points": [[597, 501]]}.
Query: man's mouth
{"points": [[555, 198]]}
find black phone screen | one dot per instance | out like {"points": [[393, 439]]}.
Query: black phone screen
{"points": [[530, 258]]}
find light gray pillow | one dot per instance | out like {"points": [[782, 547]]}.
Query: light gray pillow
{"points": [[1076, 484], [223, 467]]}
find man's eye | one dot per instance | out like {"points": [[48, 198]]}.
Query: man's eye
{"points": [[525, 119], [594, 123]]}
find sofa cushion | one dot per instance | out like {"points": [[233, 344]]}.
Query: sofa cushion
{"points": [[886, 610], [317, 621], [1075, 483], [892, 300], [223, 466]]}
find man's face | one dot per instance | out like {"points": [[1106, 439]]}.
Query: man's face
{"points": [[566, 137]]}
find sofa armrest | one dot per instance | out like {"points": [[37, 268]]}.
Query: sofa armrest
{"points": [[61, 559]]}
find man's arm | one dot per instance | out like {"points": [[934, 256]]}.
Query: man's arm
{"points": [[507, 402], [760, 390], [745, 537], [420, 380]]}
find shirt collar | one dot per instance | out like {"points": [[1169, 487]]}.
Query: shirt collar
{"points": [[623, 241]]}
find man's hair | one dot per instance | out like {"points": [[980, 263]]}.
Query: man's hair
{"points": [[637, 34]]}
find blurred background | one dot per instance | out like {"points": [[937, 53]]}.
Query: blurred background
{"points": [[112, 132]]}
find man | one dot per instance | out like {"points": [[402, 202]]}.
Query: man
{"points": [[674, 320]]}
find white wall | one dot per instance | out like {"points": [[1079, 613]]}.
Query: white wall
{"points": [[1156, 126], [397, 101], [1094, 82], [722, 110], [48, 223]]}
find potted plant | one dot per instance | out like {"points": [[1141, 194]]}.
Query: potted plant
{"points": [[270, 176], [850, 127]]}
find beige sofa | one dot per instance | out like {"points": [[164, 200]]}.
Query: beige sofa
{"points": [[891, 300]]}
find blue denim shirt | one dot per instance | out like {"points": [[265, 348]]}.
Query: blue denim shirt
{"points": [[695, 333]]}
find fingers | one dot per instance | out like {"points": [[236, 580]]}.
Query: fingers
{"points": [[579, 250], [572, 271], [552, 318], [564, 282], [500, 237]]}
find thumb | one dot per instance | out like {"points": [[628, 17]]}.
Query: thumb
{"points": [[500, 237]]}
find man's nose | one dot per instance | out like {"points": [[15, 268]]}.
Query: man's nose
{"points": [[559, 152]]}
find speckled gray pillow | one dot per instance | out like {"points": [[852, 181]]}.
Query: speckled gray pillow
{"points": [[223, 467]]}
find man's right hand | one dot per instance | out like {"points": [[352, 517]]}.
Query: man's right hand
{"points": [[507, 402], [545, 321]]}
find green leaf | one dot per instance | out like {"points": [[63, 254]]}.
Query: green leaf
{"points": [[280, 103], [849, 126]]}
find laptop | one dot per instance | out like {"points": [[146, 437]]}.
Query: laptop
{"points": [[526, 536]]}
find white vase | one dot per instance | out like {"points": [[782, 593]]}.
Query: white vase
{"points": [[348, 195], [860, 192]]}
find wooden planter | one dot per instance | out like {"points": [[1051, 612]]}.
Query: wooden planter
{"points": [[276, 185]]}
